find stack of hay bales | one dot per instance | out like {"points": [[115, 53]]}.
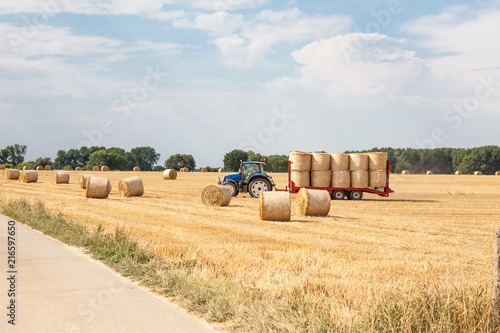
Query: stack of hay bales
{"points": [[321, 175], [29, 176], [62, 177], [301, 168], [169, 174], [11, 174], [131, 187], [358, 165], [377, 168], [216, 195], [341, 176]]}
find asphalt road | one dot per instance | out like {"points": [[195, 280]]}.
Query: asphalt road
{"points": [[59, 289]]}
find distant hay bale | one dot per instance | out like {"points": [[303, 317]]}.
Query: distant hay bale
{"points": [[29, 176], [184, 169], [62, 177], [48, 168], [222, 170], [216, 195], [131, 187], [339, 162], [137, 168], [96, 168], [204, 170], [320, 161], [274, 206], [458, 173], [301, 178], [83, 180], [169, 174], [360, 179], [378, 178], [341, 179], [78, 169], [478, 173], [104, 168], [405, 172], [358, 162], [313, 202], [377, 161], [39, 168], [301, 161], [2, 167], [428, 173], [497, 173], [11, 174], [321, 178], [97, 188], [26, 167]]}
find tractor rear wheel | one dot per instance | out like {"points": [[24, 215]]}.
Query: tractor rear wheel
{"points": [[259, 185]]}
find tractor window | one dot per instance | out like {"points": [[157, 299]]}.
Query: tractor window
{"points": [[250, 170]]}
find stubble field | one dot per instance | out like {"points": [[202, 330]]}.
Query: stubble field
{"points": [[428, 246]]}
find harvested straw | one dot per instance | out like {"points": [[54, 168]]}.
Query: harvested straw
{"points": [[428, 173], [320, 161], [83, 180], [301, 178], [321, 178], [478, 173], [131, 187], [96, 168], [341, 179], [78, 169], [170, 174], [62, 177], [39, 168], [378, 178], [48, 168], [104, 168], [29, 176], [2, 167], [26, 167], [497, 173], [358, 162], [216, 195], [137, 168], [377, 161], [204, 170], [339, 162], [300, 161], [313, 202], [11, 174], [405, 172], [359, 179], [222, 170], [184, 169], [97, 188], [274, 206], [458, 173]]}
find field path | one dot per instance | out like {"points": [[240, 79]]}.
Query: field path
{"points": [[60, 289]]}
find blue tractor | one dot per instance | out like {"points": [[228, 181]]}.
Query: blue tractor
{"points": [[251, 178]]}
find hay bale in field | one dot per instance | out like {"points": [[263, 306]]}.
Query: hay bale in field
{"points": [[428, 173], [204, 170], [458, 173], [301, 161], [137, 168], [62, 177], [216, 195], [83, 180], [39, 168], [274, 206], [313, 202], [320, 161], [478, 173], [184, 169], [341, 179], [97, 188], [29, 176], [301, 178], [2, 167], [222, 170], [170, 174], [378, 178], [78, 169], [96, 168], [321, 178], [360, 179], [11, 174], [377, 161], [405, 172], [48, 168], [131, 187], [26, 167], [104, 168], [339, 162], [497, 173], [358, 162]]}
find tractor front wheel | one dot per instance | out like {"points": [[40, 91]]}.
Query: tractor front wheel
{"points": [[234, 189], [259, 185]]}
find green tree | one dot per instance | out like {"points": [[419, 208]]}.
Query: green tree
{"points": [[13, 154], [179, 161], [143, 157], [252, 156], [232, 160], [276, 163], [43, 161]]}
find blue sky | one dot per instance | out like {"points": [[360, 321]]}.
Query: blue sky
{"points": [[205, 77]]}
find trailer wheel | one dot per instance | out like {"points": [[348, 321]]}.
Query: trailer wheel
{"points": [[356, 195], [234, 189], [338, 195], [258, 185]]}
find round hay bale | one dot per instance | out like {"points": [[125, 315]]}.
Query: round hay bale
{"points": [[222, 170], [300, 161], [48, 168], [170, 174], [405, 172], [216, 195], [313, 202], [378, 178], [39, 168], [104, 168], [320, 161], [321, 178], [497, 173], [26, 167], [358, 162], [458, 173], [184, 169], [97, 188], [428, 173], [360, 179], [29, 176], [204, 170], [137, 168], [341, 179], [83, 180], [301, 178], [62, 177], [78, 169], [96, 168], [11, 174], [131, 187], [275, 206], [339, 162], [377, 161], [2, 167], [478, 173]]}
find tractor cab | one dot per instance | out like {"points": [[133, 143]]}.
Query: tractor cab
{"points": [[251, 178]]}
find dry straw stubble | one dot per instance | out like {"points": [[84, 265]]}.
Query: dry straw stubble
{"points": [[275, 206], [29, 176], [97, 188], [313, 202], [216, 195], [62, 177], [131, 187]]}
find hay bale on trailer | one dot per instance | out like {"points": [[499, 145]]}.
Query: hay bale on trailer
{"points": [[11, 174], [320, 161], [321, 178], [378, 178], [131, 187], [301, 178], [301, 161], [313, 202], [360, 179], [29, 176], [275, 206], [97, 188], [339, 162], [62, 177], [358, 162], [377, 161], [341, 179], [169, 174], [216, 195], [83, 180]]}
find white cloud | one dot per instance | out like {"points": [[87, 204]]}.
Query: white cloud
{"points": [[218, 22]]}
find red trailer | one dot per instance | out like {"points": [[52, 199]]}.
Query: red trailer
{"points": [[340, 193]]}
